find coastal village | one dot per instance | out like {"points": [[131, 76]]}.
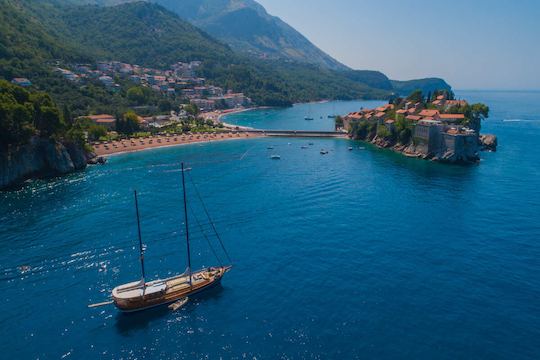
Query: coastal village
{"points": [[180, 82], [436, 129], [432, 128]]}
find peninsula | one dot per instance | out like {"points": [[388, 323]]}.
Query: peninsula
{"points": [[434, 126]]}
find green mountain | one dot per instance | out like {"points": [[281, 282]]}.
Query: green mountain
{"points": [[246, 27], [375, 79], [34, 36], [426, 85]]}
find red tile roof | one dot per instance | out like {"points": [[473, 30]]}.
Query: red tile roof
{"points": [[452, 116], [101, 117], [429, 113], [354, 116], [105, 121], [413, 117], [456, 102]]}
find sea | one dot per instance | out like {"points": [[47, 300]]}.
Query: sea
{"points": [[361, 254]]}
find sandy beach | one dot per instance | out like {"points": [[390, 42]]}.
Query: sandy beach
{"points": [[139, 144], [219, 114]]}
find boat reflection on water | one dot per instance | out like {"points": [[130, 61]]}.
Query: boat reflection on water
{"points": [[127, 323]]}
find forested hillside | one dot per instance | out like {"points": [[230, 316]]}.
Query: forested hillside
{"points": [[35, 35]]}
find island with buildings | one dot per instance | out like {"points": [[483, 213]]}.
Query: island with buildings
{"points": [[437, 127]]}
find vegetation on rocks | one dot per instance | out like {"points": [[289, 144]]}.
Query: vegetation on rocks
{"points": [[24, 114]]}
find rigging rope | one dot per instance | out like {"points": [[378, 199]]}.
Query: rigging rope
{"points": [[209, 218], [204, 234]]}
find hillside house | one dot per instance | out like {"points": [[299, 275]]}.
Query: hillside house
{"points": [[108, 121], [24, 82]]}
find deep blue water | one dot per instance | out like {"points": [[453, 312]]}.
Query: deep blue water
{"points": [[362, 254]]}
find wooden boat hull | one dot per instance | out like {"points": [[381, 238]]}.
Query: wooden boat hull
{"points": [[134, 297]]}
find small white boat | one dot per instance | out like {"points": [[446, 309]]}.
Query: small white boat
{"points": [[308, 118], [270, 148], [350, 148], [303, 147], [361, 148], [275, 157], [324, 152], [180, 303]]}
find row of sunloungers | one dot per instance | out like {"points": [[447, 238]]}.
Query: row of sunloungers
{"points": [[130, 143]]}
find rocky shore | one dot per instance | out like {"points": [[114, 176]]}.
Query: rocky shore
{"points": [[489, 142], [41, 158], [486, 142]]}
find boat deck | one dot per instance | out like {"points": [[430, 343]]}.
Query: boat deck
{"points": [[136, 296]]}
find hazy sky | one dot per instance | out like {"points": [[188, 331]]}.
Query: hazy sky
{"points": [[473, 44]]}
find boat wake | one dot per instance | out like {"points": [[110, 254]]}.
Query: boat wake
{"points": [[520, 120]]}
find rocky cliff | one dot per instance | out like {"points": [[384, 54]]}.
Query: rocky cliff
{"points": [[40, 158], [464, 152]]}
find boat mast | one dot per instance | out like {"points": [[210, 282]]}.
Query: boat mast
{"points": [[141, 246], [187, 225]]}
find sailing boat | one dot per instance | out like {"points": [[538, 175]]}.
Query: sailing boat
{"points": [[142, 295], [309, 117], [333, 115]]}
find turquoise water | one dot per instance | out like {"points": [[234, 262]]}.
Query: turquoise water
{"points": [[362, 254], [294, 118]]}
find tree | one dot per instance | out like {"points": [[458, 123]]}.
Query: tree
{"points": [[15, 122], [360, 129], [136, 95], [192, 109], [48, 121], [475, 114], [66, 113], [416, 96], [383, 132], [95, 132], [164, 105], [128, 123], [339, 122], [403, 130], [47, 118]]}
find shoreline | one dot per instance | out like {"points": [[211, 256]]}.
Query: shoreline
{"points": [[218, 115], [409, 152], [155, 142]]}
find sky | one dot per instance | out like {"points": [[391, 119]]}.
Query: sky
{"points": [[472, 44]]}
